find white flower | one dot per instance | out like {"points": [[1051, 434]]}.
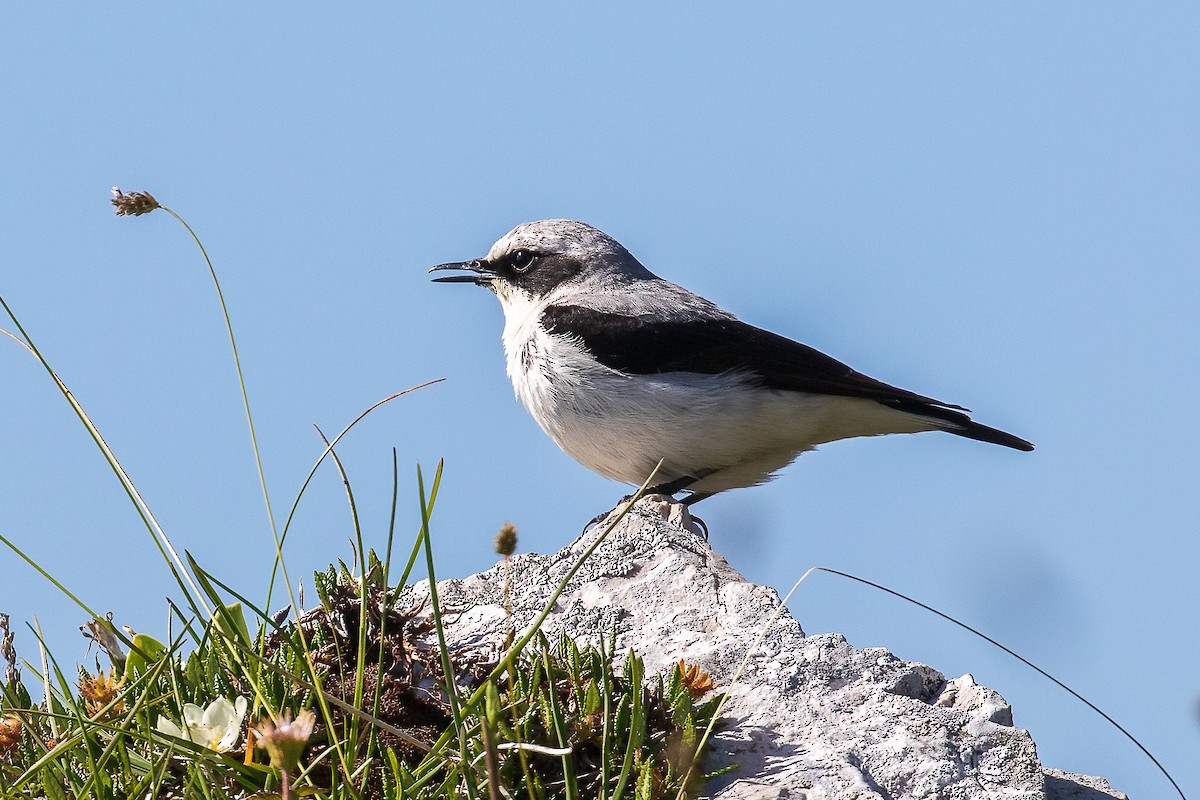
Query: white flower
{"points": [[216, 727]]}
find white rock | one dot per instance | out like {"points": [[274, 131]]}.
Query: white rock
{"points": [[811, 717]]}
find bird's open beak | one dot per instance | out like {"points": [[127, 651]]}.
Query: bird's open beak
{"points": [[483, 273]]}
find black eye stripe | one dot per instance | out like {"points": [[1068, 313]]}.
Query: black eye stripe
{"points": [[541, 273]]}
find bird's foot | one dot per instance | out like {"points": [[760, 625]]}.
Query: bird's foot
{"points": [[677, 512], [587, 525], [603, 515], [668, 491], [691, 500]]}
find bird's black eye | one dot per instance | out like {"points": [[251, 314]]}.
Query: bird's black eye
{"points": [[522, 260]]}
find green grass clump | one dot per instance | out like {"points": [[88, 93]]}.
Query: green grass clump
{"points": [[563, 721], [626, 736]]}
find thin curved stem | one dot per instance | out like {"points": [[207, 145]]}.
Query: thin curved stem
{"points": [[1018, 657], [237, 362]]}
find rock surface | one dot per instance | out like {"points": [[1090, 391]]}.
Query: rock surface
{"points": [[811, 717]]}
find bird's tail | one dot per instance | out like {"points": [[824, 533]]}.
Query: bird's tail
{"points": [[960, 424]]}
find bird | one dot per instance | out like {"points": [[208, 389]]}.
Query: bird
{"points": [[624, 370]]}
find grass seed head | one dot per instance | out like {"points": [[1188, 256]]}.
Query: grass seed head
{"points": [[8, 653], [506, 539], [133, 204]]}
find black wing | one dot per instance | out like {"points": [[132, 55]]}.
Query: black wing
{"points": [[643, 346]]}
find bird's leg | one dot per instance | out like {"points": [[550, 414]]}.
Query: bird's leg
{"points": [[604, 514], [671, 487]]}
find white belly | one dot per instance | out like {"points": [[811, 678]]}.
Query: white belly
{"points": [[714, 427]]}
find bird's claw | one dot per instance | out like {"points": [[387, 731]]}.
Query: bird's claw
{"points": [[686, 503]]}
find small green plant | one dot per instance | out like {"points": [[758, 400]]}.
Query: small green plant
{"points": [[562, 721]]}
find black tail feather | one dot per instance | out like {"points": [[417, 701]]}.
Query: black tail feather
{"points": [[973, 430], [961, 424]]}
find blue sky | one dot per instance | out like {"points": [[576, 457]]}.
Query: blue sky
{"points": [[994, 205]]}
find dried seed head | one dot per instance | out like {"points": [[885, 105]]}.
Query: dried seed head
{"points": [[101, 632], [506, 539], [133, 204], [12, 675], [10, 732], [697, 682], [100, 690], [285, 739]]}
